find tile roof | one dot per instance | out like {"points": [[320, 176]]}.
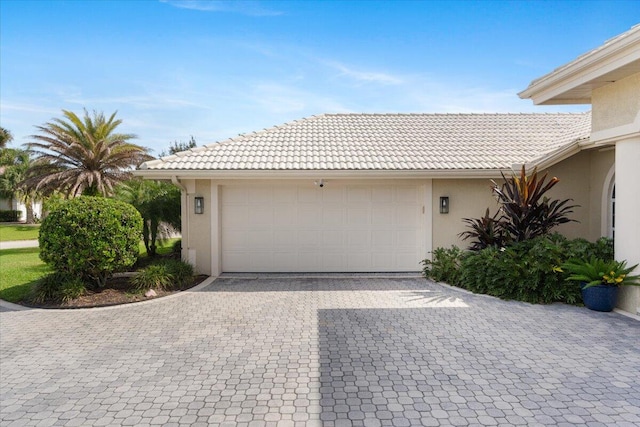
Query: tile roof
{"points": [[389, 142]]}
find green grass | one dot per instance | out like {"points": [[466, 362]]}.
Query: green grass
{"points": [[12, 232], [20, 268]]}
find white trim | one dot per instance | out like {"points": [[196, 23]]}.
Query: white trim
{"points": [[618, 133], [605, 205], [216, 235], [611, 56], [335, 174], [428, 218]]}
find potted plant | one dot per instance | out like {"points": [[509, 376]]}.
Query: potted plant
{"points": [[600, 280]]}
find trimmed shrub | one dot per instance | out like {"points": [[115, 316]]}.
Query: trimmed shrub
{"points": [[9, 216], [445, 266], [156, 276], [91, 238], [176, 249]]}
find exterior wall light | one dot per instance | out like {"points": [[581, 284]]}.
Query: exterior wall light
{"points": [[444, 204], [199, 205]]}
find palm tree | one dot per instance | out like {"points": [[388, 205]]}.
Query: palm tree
{"points": [[82, 156], [5, 137], [159, 204], [14, 164]]}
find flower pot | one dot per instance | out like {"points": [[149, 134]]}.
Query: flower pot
{"points": [[600, 297]]}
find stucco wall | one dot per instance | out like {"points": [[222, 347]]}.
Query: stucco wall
{"points": [[199, 238], [468, 198], [616, 104]]}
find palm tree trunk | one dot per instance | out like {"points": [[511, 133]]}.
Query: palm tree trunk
{"points": [[28, 204]]}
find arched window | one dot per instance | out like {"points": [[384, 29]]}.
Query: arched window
{"points": [[608, 214]]}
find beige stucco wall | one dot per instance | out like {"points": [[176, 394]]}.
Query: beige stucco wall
{"points": [[616, 104], [468, 198], [199, 233], [582, 179]]}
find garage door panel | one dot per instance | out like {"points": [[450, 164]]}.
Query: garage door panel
{"points": [[298, 227], [382, 216]]}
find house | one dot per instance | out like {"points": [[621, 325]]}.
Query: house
{"points": [[378, 192], [608, 78], [12, 204]]}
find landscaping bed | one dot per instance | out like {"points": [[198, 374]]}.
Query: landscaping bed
{"points": [[118, 290]]}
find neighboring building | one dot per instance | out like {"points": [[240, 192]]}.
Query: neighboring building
{"points": [[11, 204], [608, 78], [362, 192]]}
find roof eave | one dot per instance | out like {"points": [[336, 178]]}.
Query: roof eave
{"points": [[553, 88], [335, 174]]}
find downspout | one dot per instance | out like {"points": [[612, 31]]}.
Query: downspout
{"points": [[184, 217]]}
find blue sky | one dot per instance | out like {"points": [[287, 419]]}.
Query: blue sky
{"points": [[214, 69]]}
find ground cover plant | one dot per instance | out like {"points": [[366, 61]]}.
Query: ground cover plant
{"points": [[526, 271], [13, 232]]}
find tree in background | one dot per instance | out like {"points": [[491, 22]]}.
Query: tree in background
{"points": [[6, 137], [14, 164], [82, 155], [159, 204], [177, 147]]}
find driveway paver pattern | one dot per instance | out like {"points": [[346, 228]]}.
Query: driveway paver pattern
{"points": [[320, 351]]}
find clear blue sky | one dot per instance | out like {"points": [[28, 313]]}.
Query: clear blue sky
{"points": [[214, 69]]}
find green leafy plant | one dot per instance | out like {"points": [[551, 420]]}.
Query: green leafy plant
{"points": [[445, 266], [91, 238], [156, 276], [182, 272], [57, 287], [71, 289], [595, 271]]}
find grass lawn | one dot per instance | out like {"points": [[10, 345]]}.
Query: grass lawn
{"points": [[20, 268], [11, 232]]}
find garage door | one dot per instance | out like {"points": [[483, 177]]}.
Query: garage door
{"points": [[338, 228]]}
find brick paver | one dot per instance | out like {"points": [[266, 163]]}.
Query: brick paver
{"points": [[320, 351]]}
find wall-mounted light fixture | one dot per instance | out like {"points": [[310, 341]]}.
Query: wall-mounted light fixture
{"points": [[444, 204], [198, 205], [319, 183]]}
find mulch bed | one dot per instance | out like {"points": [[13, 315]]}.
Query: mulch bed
{"points": [[117, 291]]}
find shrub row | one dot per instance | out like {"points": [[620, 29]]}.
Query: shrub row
{"points": [[9, 216], [525, 271]]}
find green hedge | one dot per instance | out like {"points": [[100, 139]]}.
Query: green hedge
{"points": [[91, 237], [9, 216], [525, 271]]}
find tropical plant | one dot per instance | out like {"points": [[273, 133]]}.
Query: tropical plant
{"points": [[159, 204], [91, 237], [15, 164], [82, 155], [525, 211], [595, 271], [57, 287], [5, 137], [486, 231], [155, 276], [182, 272], [445, 265]]}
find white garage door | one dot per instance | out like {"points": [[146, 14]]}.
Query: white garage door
{"points": [[338, 228]]}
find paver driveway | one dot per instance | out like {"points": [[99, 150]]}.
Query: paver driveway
{"points": [[316, 351]]}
